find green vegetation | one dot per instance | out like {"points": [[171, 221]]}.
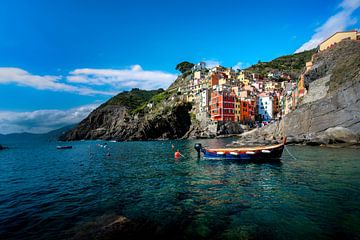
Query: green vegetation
{"points": [[184, 66], [155, 99], [134, 98], [291, 64]]}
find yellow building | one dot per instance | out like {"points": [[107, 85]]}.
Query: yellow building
{"points": [[237, 110], [308, 66], [338, 37], [242, 78]]}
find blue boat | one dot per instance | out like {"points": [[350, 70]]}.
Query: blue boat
{"points": [[244, 154]]}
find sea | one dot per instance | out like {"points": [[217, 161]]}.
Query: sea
{"points": [[76, 193]]}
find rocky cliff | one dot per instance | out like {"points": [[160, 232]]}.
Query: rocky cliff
{"points": [[330, 112], [156, 115]]}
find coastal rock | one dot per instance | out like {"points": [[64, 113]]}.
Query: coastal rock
{"points": [[340, 135], [114, 122], [228, 128]]}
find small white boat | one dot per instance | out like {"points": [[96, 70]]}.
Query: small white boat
{"points": [[63, 147]]}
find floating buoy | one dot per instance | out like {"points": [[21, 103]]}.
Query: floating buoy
{"points": [[177, 154]]}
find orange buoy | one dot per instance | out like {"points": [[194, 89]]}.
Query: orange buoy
{"points": [[177, 154]]}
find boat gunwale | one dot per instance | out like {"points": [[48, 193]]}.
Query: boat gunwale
{"points": [[244, 149]]}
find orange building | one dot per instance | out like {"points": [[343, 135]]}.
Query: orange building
{"points": [[276, 106], [301, 86], [214, 80], [247, 110], [222, 106]]}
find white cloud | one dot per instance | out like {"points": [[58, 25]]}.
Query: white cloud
{"points": [[9, 75], [136, 67], [240, 65], [42, 121], [23, 78], [338, 22], [89, 81], [212, 63], [122, 78]]}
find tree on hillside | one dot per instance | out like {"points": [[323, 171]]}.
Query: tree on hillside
{"points": [[184, 66]]}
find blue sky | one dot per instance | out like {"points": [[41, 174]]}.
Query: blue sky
{"points": [[67, 57]]}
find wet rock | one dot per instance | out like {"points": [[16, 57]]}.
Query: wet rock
{"points": [[295, 139]]}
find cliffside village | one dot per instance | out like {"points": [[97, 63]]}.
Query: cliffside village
{"points": [[225, 94]]}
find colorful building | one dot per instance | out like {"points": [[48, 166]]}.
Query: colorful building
{"points": [[204, 100], [242, 78], [265, 107], [223, 106], [276, 105], [214, 80], [301, 86], [237, 109], [247, 110]]}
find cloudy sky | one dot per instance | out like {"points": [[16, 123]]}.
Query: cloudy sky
{"points": [[60, 59]]}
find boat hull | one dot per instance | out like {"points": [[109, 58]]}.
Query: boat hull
{"points": [[271, 153]]}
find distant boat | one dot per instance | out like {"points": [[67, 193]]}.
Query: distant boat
{"points": [[63, 147], [261, 153]]}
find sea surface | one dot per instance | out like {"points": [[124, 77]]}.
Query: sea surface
{"points": [[47, 193]]}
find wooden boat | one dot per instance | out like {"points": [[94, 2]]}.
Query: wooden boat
{"points": [[261, 153], [63, 147]]}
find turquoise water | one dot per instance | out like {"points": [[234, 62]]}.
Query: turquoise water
{"points": [[54, 194]]}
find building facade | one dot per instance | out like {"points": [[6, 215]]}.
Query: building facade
{"points": [[265, 107], [223, 106]]}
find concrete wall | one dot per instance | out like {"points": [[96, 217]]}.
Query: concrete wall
{"points": [[336, 38]]}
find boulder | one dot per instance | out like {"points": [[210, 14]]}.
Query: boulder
{"points": [[340, 135], [225, 128]]}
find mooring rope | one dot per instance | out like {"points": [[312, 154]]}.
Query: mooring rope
{"points": [[287, 150]]}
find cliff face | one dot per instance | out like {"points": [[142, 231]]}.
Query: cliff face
{"points": [[333, 100], [337, 73], [167, 119]]}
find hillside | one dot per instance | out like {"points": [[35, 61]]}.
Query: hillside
{"points": [[135, 115], [132, 99], [28, 137], [291, 64]]}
